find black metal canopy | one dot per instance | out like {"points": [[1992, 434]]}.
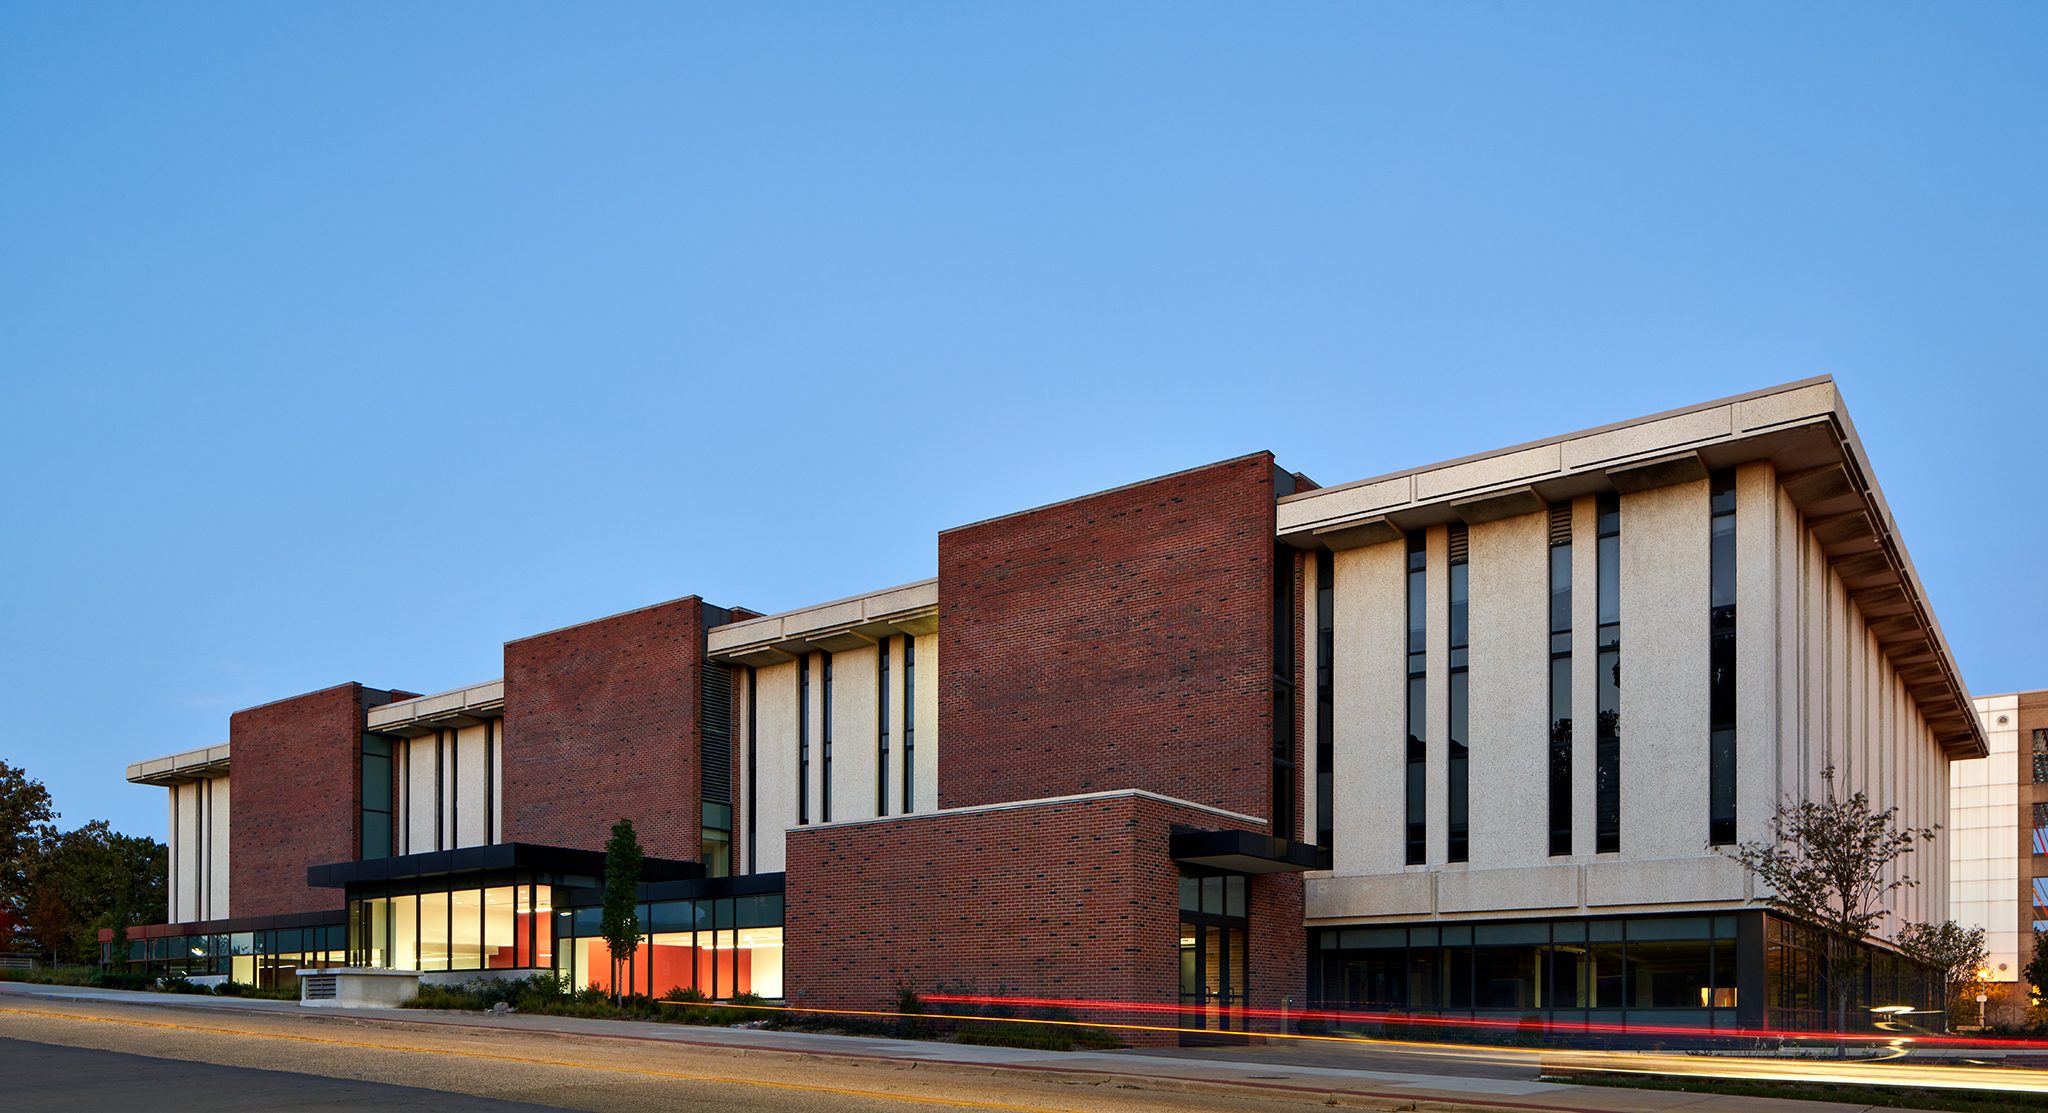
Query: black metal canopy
{"points": [[559, 860], [1245, 852]]}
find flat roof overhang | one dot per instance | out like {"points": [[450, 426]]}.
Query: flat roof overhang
{"points": [[835, 627], [1802, 429], [181, 769], [504, 855], [449, 710], [1245, 852]]}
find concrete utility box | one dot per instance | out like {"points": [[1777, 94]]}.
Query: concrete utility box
{"points": [[355, 987]]}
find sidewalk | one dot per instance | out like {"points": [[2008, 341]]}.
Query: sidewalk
{"points": [[1493, 1079]]}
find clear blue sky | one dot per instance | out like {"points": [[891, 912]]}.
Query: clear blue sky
{"points": [[346, 341]]}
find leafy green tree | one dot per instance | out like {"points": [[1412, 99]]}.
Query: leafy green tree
{"points": [[93, 878], [1829, 864], [2036, 969], [1958, 952], [621, 923], [25, 827]]}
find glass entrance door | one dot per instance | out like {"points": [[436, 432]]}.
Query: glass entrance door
{"points": [[1214, 961]]}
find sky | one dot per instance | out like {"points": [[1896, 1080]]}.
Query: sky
{"points": [[348, 341]]}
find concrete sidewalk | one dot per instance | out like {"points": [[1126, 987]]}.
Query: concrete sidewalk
{"points": [[1448, 1080]]}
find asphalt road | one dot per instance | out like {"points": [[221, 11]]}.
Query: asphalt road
{"points": [[51, 1078], [90, 1056]]}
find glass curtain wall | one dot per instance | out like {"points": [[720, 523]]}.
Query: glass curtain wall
{"points": [[497, 927], [719, 946], [265, 958], [1599, 971]]}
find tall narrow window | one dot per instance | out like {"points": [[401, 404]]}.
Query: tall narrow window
{"points": [[1561, 678], [803, 738], [882, 727], [376, 796], [1607, 682], [753, 779], [715, 776], [1721, 662], [2041, 757], [909, 724], [2041, 828], [1285, 623], [1418, 700], [1461, 692], [1326, 708], [825, 746]]}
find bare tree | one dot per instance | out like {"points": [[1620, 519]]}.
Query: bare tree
{"points": [[1828, 864]]}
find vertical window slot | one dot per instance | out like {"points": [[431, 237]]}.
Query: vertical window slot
{"points": [[1418, 701]]}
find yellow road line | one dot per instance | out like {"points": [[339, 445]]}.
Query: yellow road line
{"points": [[551, 1063]]}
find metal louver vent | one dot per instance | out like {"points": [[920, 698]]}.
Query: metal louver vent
{"points": [[320, 987], [715, 727], [1561, 524], [1459, 542]]}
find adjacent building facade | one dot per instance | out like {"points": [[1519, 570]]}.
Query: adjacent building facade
{"points": [[1224, 743], [1998, 811]]}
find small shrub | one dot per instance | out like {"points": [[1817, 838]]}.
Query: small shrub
{"points": [[178, 983], [113, 979]]}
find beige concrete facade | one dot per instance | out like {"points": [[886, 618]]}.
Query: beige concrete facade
{"points": [[1840, 664], [449, 789]]}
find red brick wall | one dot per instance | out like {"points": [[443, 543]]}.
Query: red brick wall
{"points": [[1122, 640], [601, 724], [295, 799], [1075, 900]]}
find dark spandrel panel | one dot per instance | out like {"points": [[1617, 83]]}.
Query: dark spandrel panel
{"points": [[1603, 930], [1354, 938], [671, 916], [1457, 934], [1670, 927], [1424, 936], [1608, 581], [1721, 562], [764, 910], [1721, 490], [1561, 588], [376, 783], [1461, 605], [1511, 933]]}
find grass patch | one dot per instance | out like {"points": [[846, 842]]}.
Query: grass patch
{"points": [[1890, 1097]]}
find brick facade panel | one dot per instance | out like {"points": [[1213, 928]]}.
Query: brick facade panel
{"points": [[297, 799], [1073, 899], [1123, 640], [601, 724]]}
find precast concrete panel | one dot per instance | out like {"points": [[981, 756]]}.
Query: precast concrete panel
{"points": [[1510, 747], [1370, 662], [1757, 751], [470, 786], [218, 812], [775, 761], [854, 734], [1664, 671], [927, 754], [1437, 611], [1586, 674]]}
